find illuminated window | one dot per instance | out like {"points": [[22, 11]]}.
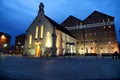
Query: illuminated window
{"points": [[85, 35], [36, 32], [30, 39], [95, 34], [108, 20], [109, 26], [104, 27], [48, 40], [103, 20], [80, 23], [42, 31], [109, 42], [3, 38], [19, 43], [90, 34]]}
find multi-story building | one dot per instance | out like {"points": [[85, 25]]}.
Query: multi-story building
{"points": [[19, 44], [46, 37], [4, 42], [96, 34]]}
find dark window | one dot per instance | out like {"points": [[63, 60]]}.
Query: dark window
{"points": [[95, 40]]}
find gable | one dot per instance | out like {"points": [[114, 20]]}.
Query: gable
{"points": [[97, 17], [57, 26], [71, 21]]}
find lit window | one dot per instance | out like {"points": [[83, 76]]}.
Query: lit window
{"points": [[85, 35], [48, 40], [30, 39], [95, 34], [80, 23], [19, 43], [108, 20], [109, 42], [104, 27], [109, 26], [90, 34], [36, 32], [42, 31], [103, 20]]}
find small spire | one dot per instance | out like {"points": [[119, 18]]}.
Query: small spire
{"points": [[41, 7]]}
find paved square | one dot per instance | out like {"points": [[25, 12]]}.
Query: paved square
{"points": [[69, 68]]}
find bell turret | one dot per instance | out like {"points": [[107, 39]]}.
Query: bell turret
{"points": [[41, 8]]}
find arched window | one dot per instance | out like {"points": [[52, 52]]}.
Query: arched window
{"points": [[49, 40], [30, 39], [41, 31], [36, 32]]}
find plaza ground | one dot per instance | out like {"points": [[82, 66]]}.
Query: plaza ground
{"points": [[59, 68]]}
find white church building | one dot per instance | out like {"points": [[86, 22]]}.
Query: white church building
{"points": [[45, 37]]}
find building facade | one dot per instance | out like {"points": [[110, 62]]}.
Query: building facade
{"points": [[96, 34], [19, 44], [45, 37], [4, 42]]}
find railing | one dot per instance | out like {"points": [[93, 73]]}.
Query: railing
{"points": [[90, 25]]}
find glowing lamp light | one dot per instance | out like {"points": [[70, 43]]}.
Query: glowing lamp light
{"points": [[5, 45], [22, 46], [3, 37]]}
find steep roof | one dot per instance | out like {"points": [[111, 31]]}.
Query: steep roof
{"points": [[98, 17], [21, 35], [71, 21], [57, 26]]}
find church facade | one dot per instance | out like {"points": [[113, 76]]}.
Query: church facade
{"points": [[45, 37]]}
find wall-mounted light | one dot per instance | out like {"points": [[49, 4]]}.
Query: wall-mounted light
{"points": [[5, 45], [3, 38]]}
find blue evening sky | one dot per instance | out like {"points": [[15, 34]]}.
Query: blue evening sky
{"points": [[17, 15]]}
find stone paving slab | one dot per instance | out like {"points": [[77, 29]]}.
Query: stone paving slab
{"points": [[68, 68]]}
